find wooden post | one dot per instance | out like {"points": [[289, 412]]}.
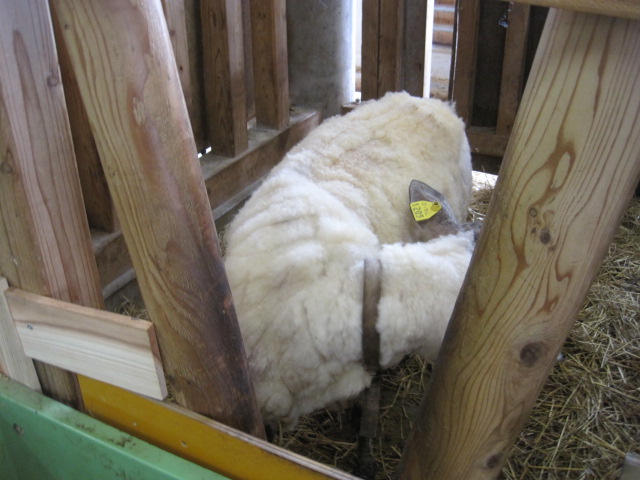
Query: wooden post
{"points": [[415, 31], [269, 36], [224, 87], [141, 125], [382, 43], [45, 246], [570, 169]]}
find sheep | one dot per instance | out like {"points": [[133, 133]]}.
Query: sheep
{"points": [[295, 252]]}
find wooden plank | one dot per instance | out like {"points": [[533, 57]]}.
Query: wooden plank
{"points": [[248, 59], [13, 362], [487, 141], [370, 48], [142, 131], [570, 170], [203, 441], [174, 13], [224, 178], [269, 35], [391, 41], [465, 57], [41, 438], [512, 82], [46, 246], [95, 191], [106, 346], [415, 20], [613, 8], [223, 59]]}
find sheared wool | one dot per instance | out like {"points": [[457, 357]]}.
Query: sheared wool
{"points": [[295, 252]]}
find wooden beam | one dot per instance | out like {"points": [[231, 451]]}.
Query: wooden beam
{"points": [[141, 125], [391, 42], [105, 346], [174, 13], [370, 48], [465, 57], [570, 170], [224, 87], [44, 237], [515, 53], [612, 8], [224, 178], [415, 21], [487, 141], [270, 66], [13, 362]]}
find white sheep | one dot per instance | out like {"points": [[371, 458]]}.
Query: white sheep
{"points": [[295, 252]]}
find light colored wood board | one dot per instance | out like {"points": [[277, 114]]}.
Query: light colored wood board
{"points": [[13, 361], [370, 48], [270, 64], [140, 122], [201, 440], [613, 8], [174, 14], [512, 82], [106, 346], [224, 87], [570, 169], [46, 247]]}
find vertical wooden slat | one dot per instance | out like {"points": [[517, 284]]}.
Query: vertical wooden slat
{"points": [[46, 247], [269, 35], [370, 48], [570, 169], [465, 56], [223, 57], [142, 131], [174, 14], [415, 45], [390, 74], [248, 59], [95, 191], [13, 361], [512, 82]]}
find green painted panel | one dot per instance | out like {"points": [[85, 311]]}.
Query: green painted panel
{"points": [[43, 439]]}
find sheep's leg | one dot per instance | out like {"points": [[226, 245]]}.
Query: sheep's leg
{"points": [[370, 404]]}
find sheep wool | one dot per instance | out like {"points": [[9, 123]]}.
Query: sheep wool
{"points": [[295, 252]]}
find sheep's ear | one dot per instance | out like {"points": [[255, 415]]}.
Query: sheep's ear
{"points": [[431, 210]]}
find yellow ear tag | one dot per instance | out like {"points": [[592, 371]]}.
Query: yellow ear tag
{"points": [[424, 210]]}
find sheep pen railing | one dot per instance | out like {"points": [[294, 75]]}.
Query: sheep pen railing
{"points": [[149, 115]]}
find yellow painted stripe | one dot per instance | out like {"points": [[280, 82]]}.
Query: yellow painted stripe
{"points": [[196, 438]]}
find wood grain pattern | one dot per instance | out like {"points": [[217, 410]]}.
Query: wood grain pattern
{"points": [[102, 345], [45, 246], [13, 361], [613, 8], [370, 48], [270, 62], [142, 131], [570, 170], [223, 59], [391, 43], [415, 21], [174, 14]]}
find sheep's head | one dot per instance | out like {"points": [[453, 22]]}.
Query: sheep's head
{"points": [[433, 214]]}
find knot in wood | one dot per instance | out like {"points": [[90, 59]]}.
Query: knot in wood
{"points": [[545, 236], [531, 353], [494, 461], [53, 80]]}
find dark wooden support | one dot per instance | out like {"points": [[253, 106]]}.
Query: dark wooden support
{"points": [[415, 18], [224, 77], [271, 78], [45, 246], [141, 125], [569, 172]]}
